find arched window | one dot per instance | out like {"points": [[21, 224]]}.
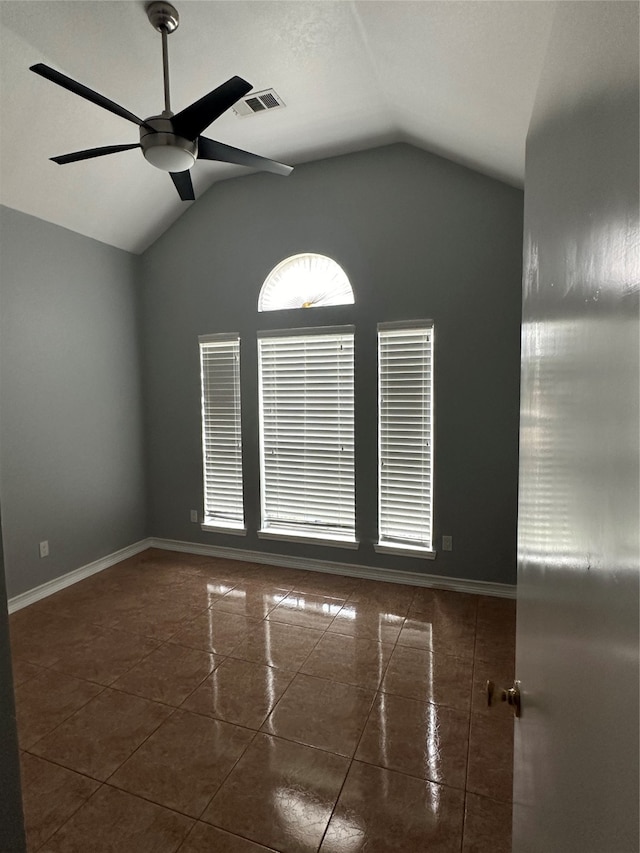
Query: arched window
{"points": [[305, 281], [306, 424]]}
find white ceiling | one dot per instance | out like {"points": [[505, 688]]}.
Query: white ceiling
{"points": [[456, 78]]}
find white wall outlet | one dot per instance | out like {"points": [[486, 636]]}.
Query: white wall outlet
{"points": [[44, 548], [194, 516], [447, 543]]}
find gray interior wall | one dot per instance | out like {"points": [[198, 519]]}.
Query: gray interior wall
{"points": [[71, 451], [419, 237]]}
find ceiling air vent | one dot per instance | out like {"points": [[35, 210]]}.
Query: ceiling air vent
{"points": [[258, 102]]}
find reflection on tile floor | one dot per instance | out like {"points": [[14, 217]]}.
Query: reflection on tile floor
{"points": [[185, 703]]}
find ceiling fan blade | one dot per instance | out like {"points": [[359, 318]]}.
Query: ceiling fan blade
{"points": [[84, 92], [209, 149], [182, 182], [92, 152], [190, 122]]}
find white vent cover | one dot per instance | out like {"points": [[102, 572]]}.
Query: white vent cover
{"points": [[258, 102]]}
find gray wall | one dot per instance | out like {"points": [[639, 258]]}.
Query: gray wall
{"points": [[419, 237], [71, 458], [576, 770]]}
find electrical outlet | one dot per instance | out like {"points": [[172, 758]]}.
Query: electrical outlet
{"points": [[194, 516], [447, 543], [44, 548]]}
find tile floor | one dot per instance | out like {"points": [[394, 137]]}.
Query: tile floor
{"points": [[183, 703]]}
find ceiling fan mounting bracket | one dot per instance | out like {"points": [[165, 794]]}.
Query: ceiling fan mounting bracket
{"points": [[163, 17]]}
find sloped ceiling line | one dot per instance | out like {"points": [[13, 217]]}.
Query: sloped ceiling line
{"points": [[454, 78]]}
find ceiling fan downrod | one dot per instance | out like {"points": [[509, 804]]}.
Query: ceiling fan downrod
{"points": [[161, 146], [164, 18]]}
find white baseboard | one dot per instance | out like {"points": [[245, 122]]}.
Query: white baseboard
{"points": [[55, 585], [499, 590]]}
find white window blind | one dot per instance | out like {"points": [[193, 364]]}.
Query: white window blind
{"points": [[221, 435], [405, 438], [306, 433]]}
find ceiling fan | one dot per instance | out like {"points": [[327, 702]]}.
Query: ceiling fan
{"points": [[171, 142]]}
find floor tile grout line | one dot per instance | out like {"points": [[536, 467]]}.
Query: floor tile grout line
{"points": [[183, 710], [56, 665], [103, 781], [231, 769], [173, 710], [228, 832], [297, 624], [305, 745], [293, 625], [75, 811], [109, 781], [109, 627], [378, 689], [63, 767], [131, 693], [258, 621], [139, 746], [157, 649], [187, 836], [68, 717], [335, 804], [329, 678], [413, 776], [109, 784], [230, 655], [376, 694], [137, 663], [235, 835], [366, 722], [271, 665], [298, 672]]}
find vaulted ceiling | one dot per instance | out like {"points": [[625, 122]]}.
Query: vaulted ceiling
{"points": [[455, 78]]}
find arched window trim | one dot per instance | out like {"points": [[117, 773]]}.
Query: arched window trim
{"points": [[305, 280]]}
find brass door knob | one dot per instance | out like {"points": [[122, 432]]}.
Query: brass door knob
{"points": [[499, 694]]}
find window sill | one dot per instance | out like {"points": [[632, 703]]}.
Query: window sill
{"points": [[404, 550], [212, 527], [309, 539]]}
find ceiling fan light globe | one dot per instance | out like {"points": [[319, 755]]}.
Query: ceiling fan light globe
{"points": [[169, 158]]}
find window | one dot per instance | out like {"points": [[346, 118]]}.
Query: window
{"points": [[306, 420], [306, 434], [221, 436], [405, 436], [305, 281]]}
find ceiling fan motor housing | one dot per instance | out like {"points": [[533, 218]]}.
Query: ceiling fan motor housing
{"points": [[163, 148]]}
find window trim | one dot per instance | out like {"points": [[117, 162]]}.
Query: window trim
{"points": [[293, 536], [404, 550], [208, 527]]}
